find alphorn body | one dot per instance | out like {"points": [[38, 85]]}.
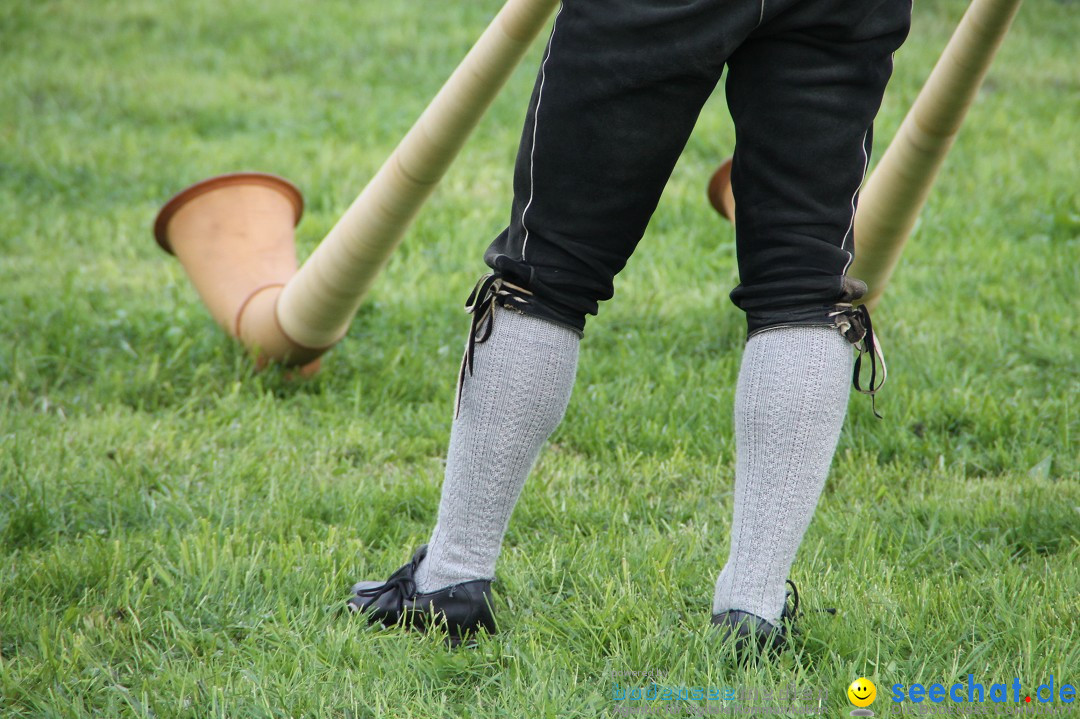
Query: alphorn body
{"points": [[895, 193], [234, 233]]}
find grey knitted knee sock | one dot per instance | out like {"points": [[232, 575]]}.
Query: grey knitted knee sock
{"points": [[516, 397], [789, 408]]}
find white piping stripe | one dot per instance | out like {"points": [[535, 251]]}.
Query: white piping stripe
{"points": [[761, 18], [536, 121], [851, 225]]}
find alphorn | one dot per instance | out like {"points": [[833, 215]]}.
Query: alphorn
{"points": [[234, 234], [896, 191]]}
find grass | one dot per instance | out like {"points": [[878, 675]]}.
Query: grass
{"points": [[178, 532]]}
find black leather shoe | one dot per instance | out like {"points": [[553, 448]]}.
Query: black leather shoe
{"points": [[461, 609], [754, 636]]}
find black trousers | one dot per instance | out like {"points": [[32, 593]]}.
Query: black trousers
{"points": [[618, 92]]}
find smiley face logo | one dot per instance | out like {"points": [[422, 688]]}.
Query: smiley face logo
{"points": [[862, 692]]}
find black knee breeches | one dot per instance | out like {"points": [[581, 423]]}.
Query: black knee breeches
{"points": [[619, 90]]}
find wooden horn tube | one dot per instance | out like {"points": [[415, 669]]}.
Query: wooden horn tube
{"points": [[317, 305], [896, 192], [234, 233], [894, 195]]}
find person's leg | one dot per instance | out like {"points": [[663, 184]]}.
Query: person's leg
{"points": [[790, 402], [618, 93], [619, 89], [521, 383], [803, 92]]}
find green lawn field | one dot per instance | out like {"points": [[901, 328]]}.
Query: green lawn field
{"points": [[178, 533]]}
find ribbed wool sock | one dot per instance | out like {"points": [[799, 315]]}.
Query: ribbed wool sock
{"points": [[790, 403], [521, 383]]}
